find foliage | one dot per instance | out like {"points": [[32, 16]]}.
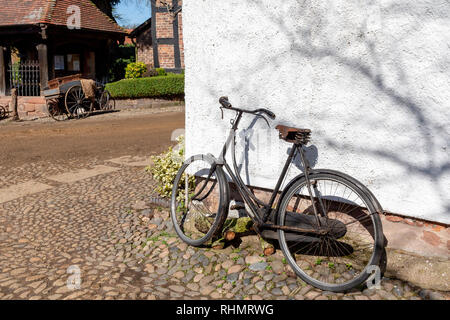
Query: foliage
{"points": [[161, 71], [117, 70], [165, 168], [150, 73], [154, 72], [237, 225], [15, 72], [155, 87], [123, 55], [135, 70], [106, 6]]}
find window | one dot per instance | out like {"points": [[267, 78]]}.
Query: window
{"points": [[69, 62], [73, 62], [59, 62]]}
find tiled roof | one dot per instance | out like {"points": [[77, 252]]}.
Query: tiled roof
{"points": [[23, 12], [127, 38], [144, 26]]}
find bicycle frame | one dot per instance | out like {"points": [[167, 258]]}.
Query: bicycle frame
{"points": [[261, 215]]}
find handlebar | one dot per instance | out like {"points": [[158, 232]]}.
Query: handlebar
{"points": [[227, 105]]}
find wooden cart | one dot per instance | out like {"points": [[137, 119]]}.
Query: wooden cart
{"points": [[66, 99]]}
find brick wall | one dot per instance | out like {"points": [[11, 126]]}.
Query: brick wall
{"points": [[164, 25], [145, 48], [180, 32], [164, 29], [28, 107], [166, 56]]}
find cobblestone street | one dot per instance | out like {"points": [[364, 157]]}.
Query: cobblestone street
{"points": [[91, 220]]}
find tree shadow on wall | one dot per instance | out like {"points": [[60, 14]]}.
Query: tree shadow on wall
{"points": [[314, 43]]}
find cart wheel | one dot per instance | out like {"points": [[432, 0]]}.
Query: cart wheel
{"points": [[107, 102], [56, 111], [77, 105], [2, 112]]}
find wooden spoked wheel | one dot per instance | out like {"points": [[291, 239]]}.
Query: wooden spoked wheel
{"points": [[3, 112], [107, 102], [56, 111], [77, 105]]}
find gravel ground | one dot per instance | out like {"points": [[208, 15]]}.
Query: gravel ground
{"points": [[123, 247], [98, 237]]}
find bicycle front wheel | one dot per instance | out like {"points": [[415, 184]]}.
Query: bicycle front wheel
{"points": [[344, 257], [200, 198]]}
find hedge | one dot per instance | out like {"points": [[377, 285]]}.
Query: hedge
{"points": [[169, 86]]}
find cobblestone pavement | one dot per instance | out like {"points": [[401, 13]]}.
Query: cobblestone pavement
{"points": [[100, 226]]}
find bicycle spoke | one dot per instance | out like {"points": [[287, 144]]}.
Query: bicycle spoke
{"points": [[198, 194], [341, 255]]}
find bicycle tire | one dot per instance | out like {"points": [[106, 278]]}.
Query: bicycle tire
{"points": [[371, 206], [223, 202]]}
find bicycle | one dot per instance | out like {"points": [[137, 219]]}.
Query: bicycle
{"points": [[327, 223]]}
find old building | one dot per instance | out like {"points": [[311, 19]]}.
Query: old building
{"points": [[159, 40], [370, 79], [41, 40]]}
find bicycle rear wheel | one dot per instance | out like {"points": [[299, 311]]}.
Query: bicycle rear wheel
{"points": [[200, 198], [341, 259]]}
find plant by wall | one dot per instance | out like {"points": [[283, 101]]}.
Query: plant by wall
{"points": [[135, 70], [123, 55], [166, 87], [165, 168]]}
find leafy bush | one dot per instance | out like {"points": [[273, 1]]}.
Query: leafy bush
{"points": [[150, 73], [155, 87], [165, 168], [117, 70], [161, 71], [135, 70], [122, 56]]}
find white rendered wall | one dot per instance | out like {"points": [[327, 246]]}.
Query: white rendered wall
{"points": [[370, 78]]}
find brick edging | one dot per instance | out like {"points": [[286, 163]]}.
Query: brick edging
{"points": [[418, 222]]}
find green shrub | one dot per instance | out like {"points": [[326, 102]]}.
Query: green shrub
{"points": [[161, 71], [122, 56], [135, 70], [117, 70], [165, 168], [150, 73], [155, 87]]}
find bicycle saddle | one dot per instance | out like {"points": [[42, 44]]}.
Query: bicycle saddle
{"points": [[294, 135]]}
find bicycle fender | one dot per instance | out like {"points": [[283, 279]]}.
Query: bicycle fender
{"points": [[379, 209], [358, 183]]}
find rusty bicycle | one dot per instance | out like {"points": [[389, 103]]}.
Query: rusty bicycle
{"points": [[326, 222]]}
